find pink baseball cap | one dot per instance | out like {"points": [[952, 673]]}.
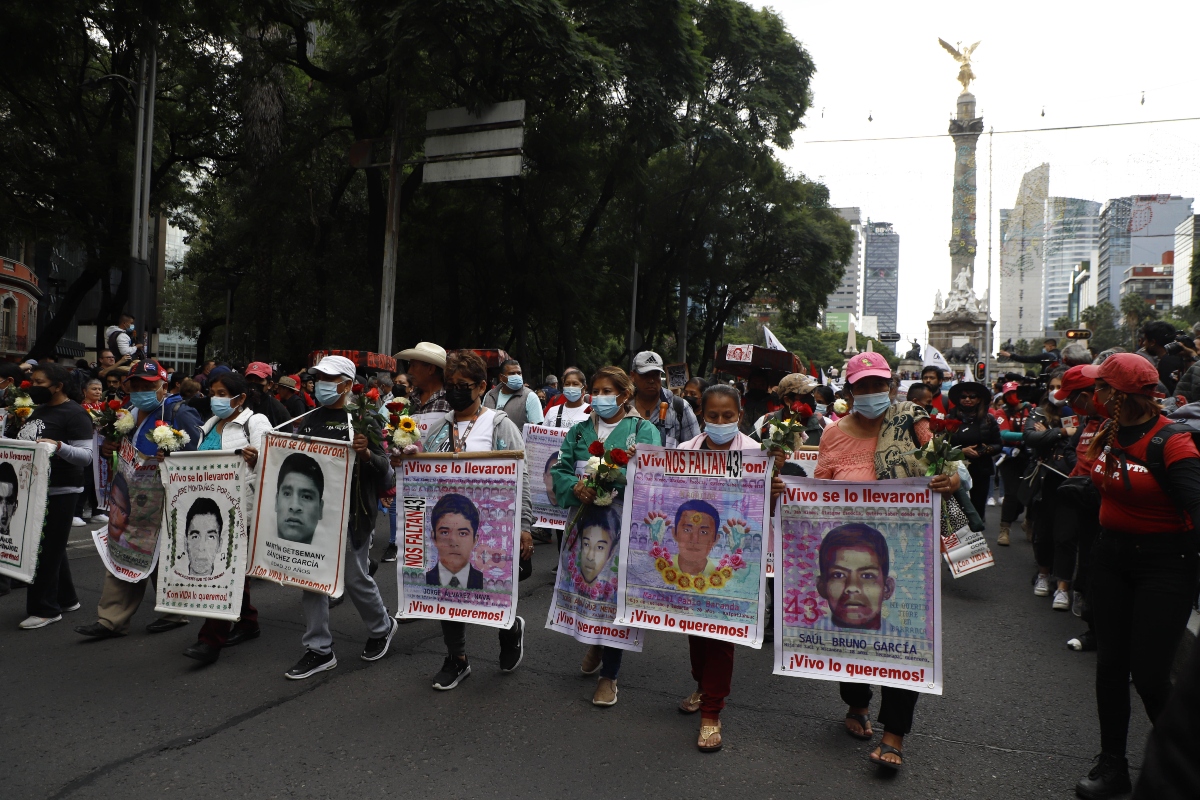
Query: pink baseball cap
{"points": [[867, 365], [260, 369]]}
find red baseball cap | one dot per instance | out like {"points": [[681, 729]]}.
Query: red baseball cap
{"points": [[260, 369], [867, 365], [1128, 373], [1077, 378]]}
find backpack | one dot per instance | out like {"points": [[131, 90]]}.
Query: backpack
{"points": [[1155, 463]]}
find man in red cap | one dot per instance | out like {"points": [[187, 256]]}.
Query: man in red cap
{"points": [[261, 378], [1011, 417]]}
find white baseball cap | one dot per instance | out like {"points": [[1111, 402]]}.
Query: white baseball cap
{"points": [[648, 361], [340, 366]]}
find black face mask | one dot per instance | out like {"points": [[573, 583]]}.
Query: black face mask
{"points": [[40, 395], [694, 402], [459, 399], [399, 391]]}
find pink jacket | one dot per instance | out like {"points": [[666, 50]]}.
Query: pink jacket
{"points": [[740, 442]]}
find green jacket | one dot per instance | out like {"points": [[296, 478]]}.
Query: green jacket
{"points": [[575, 448]]}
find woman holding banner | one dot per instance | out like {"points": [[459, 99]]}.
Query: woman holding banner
{"points": [[712, 660], [471, 428], [861, 447], [236, 424], [62, 422], [611, 425]]}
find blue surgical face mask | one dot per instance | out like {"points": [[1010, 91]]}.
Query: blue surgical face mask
{"points": [[605, 405], [326, 392], [222, 407], [573, 393], [721, 434], [822, 408], [946, 386], [514, 383], [146, 401], [872, 406]]}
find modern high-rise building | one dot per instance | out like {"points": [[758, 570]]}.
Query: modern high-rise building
{"points": [[1185, 248], [1022, 233], [1136, 229], [846, 298], [881, 273], [1072, 232]]}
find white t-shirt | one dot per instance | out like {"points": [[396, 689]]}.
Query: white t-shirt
{"points": [[569, 416], [605, 428], [480, 438]]}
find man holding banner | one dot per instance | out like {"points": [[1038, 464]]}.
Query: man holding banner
{"points": [[129, 544], [471, 527]]}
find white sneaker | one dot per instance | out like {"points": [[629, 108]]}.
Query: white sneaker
{"points": [[1062, 601], [77, 522], [991, 501], [30, 623], [1077, 604], [99, 517], [1042, 587], [75, 607]]}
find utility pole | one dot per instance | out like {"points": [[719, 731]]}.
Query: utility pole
{"points": [[633, 343], [391, 242], [987, 336]]}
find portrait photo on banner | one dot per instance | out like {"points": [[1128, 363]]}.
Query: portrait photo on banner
{"points": [[201, 571], [460, 522], [696, 523], [542, 447], [24, 487], [302, 511], [858, 592], [128, 545]]}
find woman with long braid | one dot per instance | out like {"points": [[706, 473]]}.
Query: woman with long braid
{"points": [[1144, 558]]}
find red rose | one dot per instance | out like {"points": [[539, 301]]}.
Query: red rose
{"points": [[394, 419], [951, 425], [25, 384], [394, 407], [618, 456], [160, 423], [802, 410], [357, 388], [114, 404], [373, 395], [596, 448]]}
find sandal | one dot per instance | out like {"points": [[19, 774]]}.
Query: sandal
{"points": [[885, 749], [690, 704], [865, 722], [710, 738]]}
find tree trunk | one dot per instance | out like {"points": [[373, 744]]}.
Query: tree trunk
{"points": [[67, 306]]}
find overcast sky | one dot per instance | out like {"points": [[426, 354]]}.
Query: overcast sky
{"points": [[1081, 63]]}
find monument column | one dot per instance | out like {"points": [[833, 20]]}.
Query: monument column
{"points": [[964, 129]]}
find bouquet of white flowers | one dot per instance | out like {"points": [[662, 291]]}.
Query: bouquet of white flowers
{"points": [[168, 438]]}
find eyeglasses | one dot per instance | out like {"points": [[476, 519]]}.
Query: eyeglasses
{"points": [[461, 387]]}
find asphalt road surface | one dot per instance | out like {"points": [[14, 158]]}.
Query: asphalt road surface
{"points": [[132, 718]]}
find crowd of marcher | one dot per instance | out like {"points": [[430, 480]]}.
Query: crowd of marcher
{"points": [[1094, 458]]}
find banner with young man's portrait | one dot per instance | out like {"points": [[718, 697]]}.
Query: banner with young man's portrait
{"points": [[24, 488], [542, 447], [584, 605], [458, 519], [694, 538], [202, 568], [101, 474], [128, 545], [300, 522], [858, 597]]}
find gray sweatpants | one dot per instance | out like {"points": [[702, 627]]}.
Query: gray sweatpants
{"points": [[364, 593]]}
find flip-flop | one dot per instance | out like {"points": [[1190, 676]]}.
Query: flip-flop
{"points": [[865, 722], [690, 704], [710, 738], [884, 749]]}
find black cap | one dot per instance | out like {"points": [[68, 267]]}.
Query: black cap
{"points": [[148, 370]]}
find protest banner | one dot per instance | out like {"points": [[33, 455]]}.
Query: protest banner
{"points": [[692, 550], [859, 594], [427, 421], [584, 605], [202, 569], [806, 458], [460, 518], [966, 551], [24, 488], [128, 545], [101, 474], [542, 446], [300, 523]]}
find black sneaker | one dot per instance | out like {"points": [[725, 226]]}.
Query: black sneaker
{"points": [[377, 646], [389, 553], [312, 663], [1084, 641], [512, 647], [452, 674], [1109, 777]]}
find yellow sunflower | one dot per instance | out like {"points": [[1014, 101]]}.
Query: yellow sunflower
{"points": [[660, 564], [716, 580], [685, 581], [698, 583], [670, 575], [408, 424], [726, 573]]}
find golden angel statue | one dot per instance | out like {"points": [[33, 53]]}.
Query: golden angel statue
{"points": [[963, 57]]}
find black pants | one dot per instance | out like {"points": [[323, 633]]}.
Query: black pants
{"points": [[981, 484], [1010, 476], [52, 588], [1043, 512], [895, 708], [454, 634], [1142, 588], [87, 498], [1074, 531]]}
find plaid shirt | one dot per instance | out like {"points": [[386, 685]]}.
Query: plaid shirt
{"points": [[435, 403]]}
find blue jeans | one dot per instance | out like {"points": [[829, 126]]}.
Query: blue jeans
{"points": [[392, 522]]}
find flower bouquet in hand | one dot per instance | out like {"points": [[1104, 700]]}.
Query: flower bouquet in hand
{"points": [[402, 426], [19, 404], [940, 423], [782, 434], [112, 421], [167, 438], [363, 415], [605, 471], [942, 458]]}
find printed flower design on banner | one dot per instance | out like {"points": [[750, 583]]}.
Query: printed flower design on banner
{"points": [[713, 578], [660, 553]]}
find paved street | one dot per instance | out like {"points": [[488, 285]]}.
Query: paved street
{"points": [[132, 718]]}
